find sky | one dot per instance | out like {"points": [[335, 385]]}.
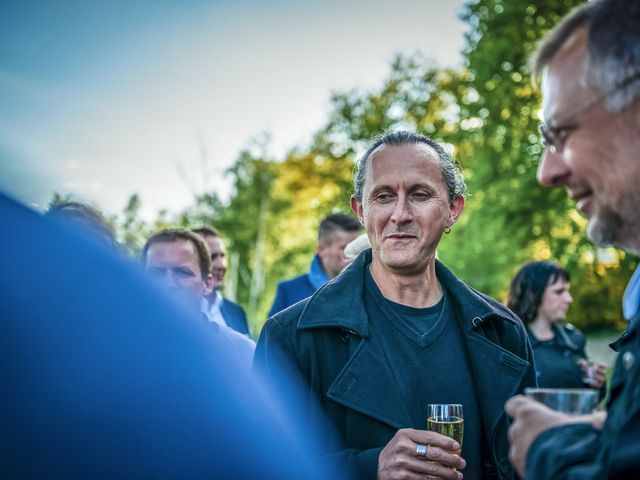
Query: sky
{"points": [[101, 100]]}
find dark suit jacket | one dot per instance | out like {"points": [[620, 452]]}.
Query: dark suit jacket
{"points": [[298, 288], [291, 291], [234, 316]]}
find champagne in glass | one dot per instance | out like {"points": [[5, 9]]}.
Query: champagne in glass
{"points": [[446, 419]]}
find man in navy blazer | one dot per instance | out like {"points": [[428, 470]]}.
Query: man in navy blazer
{"points": [[334, 233], [220, 309]]}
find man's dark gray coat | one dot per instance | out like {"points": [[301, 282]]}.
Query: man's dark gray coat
{"points": [[325, 340]]}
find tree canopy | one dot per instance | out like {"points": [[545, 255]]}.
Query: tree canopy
{"points": [[485, 112]]}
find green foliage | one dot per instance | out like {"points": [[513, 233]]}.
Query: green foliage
{"points": [[512, 219], [486, 112]]}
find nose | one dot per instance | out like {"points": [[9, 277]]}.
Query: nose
{"points": [[553, 170], [218, 263], [402, 211], [169, 278]]}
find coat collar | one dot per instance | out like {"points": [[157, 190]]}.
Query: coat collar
{"points": [[338, 303]]}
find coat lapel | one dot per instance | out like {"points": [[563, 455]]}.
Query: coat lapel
{"points": [[497, 375], [367, 385]]}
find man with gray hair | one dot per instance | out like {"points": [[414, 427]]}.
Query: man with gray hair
{"points": [[396, 330], [590, 67]]}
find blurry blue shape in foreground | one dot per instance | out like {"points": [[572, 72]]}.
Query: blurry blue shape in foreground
{"points": [[102, 377]]}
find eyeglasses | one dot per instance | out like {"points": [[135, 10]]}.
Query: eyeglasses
{"points": [[555, 132]]}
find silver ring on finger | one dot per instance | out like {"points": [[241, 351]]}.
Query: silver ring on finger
{"points": [[421, 450]]}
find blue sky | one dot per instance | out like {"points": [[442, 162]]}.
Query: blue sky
{"points": [[106, 99]]}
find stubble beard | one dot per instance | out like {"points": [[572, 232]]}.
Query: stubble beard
{"points": [[617, 227]]}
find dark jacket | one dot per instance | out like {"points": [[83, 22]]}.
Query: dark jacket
{"points": [[557, 359], [325, 340], [234, 316], [580, 451], [298, 288]]}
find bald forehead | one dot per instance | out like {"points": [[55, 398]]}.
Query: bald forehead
{"points": [[392, 163], [417, 149]]}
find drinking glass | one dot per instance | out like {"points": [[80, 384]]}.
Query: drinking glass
{"points": [[446, 419], [574, 401]]}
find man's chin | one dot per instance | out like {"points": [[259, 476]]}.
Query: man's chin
{"points": [[603, 229], [407, 264]]}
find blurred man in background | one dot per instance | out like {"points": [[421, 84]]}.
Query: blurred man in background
{"points": [[180, 260], [89, 220], [334, 233], [221, 310]]}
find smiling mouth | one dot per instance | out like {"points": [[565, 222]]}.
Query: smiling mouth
{"points": [[583, 200]]}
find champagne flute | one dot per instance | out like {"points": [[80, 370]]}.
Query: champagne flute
{"points": [[446, 419]]}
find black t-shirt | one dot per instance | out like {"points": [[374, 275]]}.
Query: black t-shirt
{"points": [[425, 349]]}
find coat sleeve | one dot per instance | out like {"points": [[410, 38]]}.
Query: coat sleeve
{"points": [[275, 356], [568, 452], [579, 451], [277, 359]]}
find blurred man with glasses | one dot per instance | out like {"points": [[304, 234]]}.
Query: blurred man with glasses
{"points": [[590, 67]]}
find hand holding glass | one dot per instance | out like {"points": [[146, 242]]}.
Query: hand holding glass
{"points": [[446, 419]]}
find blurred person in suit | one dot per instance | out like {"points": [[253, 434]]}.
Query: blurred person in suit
{"points": [[221, 310], [180, 260], [334, 233]]}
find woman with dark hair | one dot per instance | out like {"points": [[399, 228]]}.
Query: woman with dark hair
{"points": [[539, 295]]}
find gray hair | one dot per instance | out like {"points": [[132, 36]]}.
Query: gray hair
{"points": [[613, 48], [451, 173]]}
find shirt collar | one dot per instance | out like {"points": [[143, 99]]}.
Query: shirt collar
{"points": [[316, 275], [631, 299]]}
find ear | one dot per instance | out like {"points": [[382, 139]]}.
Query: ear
{"points": [[207, 284], [455, 209], [356, 207]]}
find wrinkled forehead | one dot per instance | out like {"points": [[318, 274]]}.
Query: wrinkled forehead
{"points": [[402, 161]]}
